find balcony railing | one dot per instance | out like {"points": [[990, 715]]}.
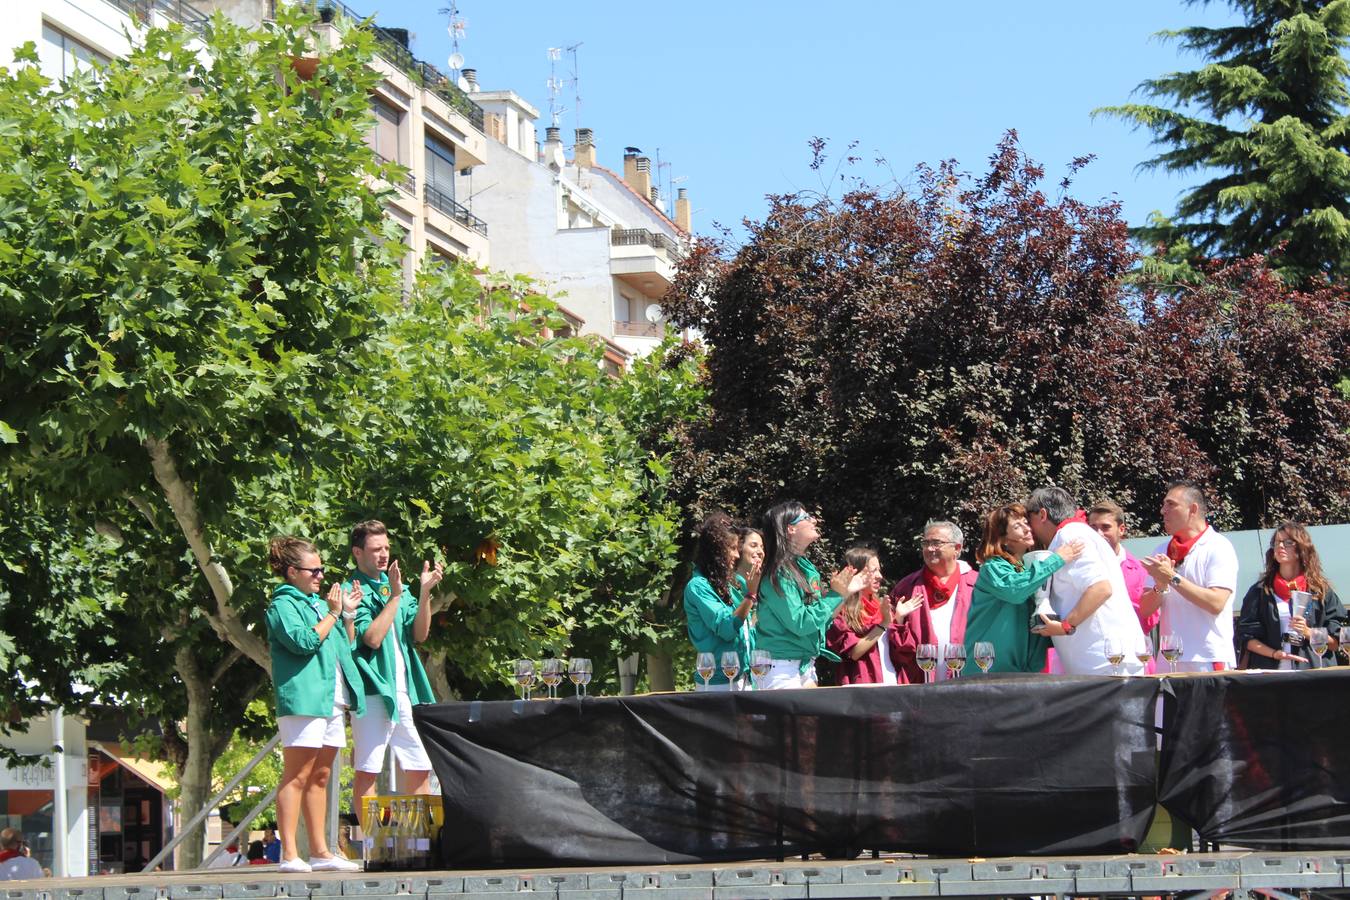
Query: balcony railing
{"points": [[176, 10], [446, 204], [392, 49], [639, 329], [408, 183], [632, 237]]}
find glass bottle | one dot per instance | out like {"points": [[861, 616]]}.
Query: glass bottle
{"points": [[371, 839], [398, 833], [422, 836]]}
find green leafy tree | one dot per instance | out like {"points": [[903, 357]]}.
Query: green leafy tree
{"points": [[1267, 117], [190, 262]]}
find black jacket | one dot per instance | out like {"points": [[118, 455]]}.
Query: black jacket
{"points": [[1260, 619]]}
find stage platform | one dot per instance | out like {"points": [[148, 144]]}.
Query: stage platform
{"points": [[1245, 874]]}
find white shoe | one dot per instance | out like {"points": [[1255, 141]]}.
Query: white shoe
{"points": [[335, 863], [294, 865]]}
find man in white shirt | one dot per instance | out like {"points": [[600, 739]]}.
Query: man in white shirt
{"points": [[1194, 581], [15, 863], [1088, 594]]}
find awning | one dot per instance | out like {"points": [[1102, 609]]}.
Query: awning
{"points": [[158, 775]]}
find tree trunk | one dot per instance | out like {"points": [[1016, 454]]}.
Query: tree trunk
{"points": [[194, 776], [660, 673], [440, 682], [183, 501]]}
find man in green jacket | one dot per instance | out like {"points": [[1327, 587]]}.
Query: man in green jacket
{"points": [[388, 622]]}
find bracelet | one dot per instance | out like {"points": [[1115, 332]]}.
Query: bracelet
{"points": [[348, 616]]}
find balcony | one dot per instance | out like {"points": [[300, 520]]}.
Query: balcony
{"points": [[639, 329], [643, 259], [423, 73], [174, 10], [446, 204], [408, 183]]}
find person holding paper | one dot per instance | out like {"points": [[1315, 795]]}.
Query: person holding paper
{"points": [[1274, 626]]}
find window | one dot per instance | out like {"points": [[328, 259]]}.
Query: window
{"points": [[61, 55], [386, 139], [440, 166]]}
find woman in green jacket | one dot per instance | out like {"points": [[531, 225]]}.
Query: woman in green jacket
{"points": [[717, 603], [315, 680], [793, 614], [1005, 591]]}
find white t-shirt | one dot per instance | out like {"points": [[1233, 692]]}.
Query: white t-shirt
{"points": [[1084, 651], [942, 631], [400, 673], [888, 675], [20, 868], [1212, 563]]}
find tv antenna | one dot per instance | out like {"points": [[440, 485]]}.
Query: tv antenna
{"points": [[557, 83], [455, 27]]}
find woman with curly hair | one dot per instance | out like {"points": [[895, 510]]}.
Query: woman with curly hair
{"points": [[716, 602]]}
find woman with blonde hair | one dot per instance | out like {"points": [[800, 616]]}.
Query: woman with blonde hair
{"points": [[1005, 591], [316, 681], [1273, 629], [863, 629]]}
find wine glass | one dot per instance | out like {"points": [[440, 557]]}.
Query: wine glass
{"points": [[955, 656], [760, 664], [1115, 653], [1171, 650], [1343, 639], [525, 676], [1144, 651], [1317, 639], [551, 674], [927, 659], [579, 673], [731, 664], [705, 665], [984, 655]]}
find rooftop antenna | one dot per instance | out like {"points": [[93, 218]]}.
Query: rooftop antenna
{"points": [[576, 83], [555, 86], [455, 27], [664, 192]]}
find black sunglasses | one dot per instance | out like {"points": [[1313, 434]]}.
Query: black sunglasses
{"points": [[317, 571]]}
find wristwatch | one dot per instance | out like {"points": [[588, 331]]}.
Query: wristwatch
{"points": [[1176, 581], [1068, 629]]}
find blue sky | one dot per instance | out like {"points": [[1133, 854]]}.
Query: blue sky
{"points": [[730, 92]]}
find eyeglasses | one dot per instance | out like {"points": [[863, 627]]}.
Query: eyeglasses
{"points": [[1286, 543], [317, 571], [933, 544]]}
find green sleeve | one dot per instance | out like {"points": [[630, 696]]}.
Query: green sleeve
{"points": [[292, 629], [366, 612], [701, 601], [797, 616], [1001, 580]]}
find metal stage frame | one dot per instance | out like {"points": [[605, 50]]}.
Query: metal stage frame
{"points": [[1241, 874]]}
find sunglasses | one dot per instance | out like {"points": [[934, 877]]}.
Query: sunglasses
{"points": [[317, 571], [802, 517]]}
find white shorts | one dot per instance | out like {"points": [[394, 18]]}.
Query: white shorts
{"points": [[373, 732], [313, 731], [787, 673]]}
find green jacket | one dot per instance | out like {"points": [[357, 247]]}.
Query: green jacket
{"points": [[1000, 612], [712, 627], [377, 665], [304, 668], [791, 622]]}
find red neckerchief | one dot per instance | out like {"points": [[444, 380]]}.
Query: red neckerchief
{"points": [[7, 855], [1282, 588], [869, 610], [940, 589], [1177, 549], [1079, 516]]}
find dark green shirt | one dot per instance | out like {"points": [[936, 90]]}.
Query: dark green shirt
{"points": [[792, 622], [1000, 612]]}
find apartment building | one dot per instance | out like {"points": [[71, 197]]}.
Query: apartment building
{"points": [[476, 184]]}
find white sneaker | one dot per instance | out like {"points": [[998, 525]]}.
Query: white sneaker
{"points": [[335, 863], [294, 865]]}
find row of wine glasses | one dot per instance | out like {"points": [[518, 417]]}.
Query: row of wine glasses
{"points": [[954, 656], [550, 671], [706, 665]]}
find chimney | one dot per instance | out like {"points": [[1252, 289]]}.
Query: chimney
{"points": [[656, 196], [683, 216], [553, 148], [471, 76], [637, 173], [585, 149]]}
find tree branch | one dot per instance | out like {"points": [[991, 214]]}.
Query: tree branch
{"points": [[183, 502]]}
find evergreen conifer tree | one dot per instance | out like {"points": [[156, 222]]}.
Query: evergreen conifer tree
{"points": [[1267, 118]]}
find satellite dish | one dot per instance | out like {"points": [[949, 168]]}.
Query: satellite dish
{"points": [[463, 84], [456, 60], [653, 313]]}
